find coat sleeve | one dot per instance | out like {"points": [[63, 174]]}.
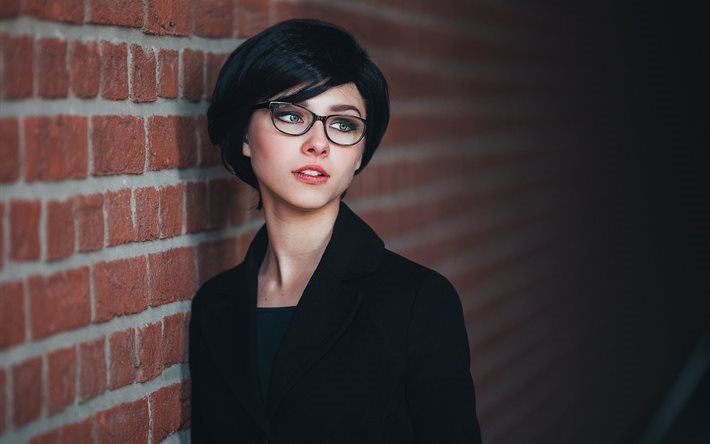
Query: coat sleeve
{"points": [[198, 432], [439, 386]]}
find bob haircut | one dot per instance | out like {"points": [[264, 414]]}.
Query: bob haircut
{"points": [[309, 55]]}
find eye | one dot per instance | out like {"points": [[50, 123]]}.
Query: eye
{"points": [[344, 125], [289, 116]]}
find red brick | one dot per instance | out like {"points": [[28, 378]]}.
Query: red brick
{"points": [[119, 218], [168, 73], [170, 410], [75, 433], [120, 288], [118, 144], [12, 314], [175, 331], [244, 198], [143, 86], [170, 17], [213, 65], [56, 147], [92, 369], [24, 230], [89, 218], [9, 149], [243, 244], [27, 390], [216, 256], [122, 363], [196, 207], [252, 17], [59, 302], [126, 423], [3, 397], [61, 379], [2, 234], [9, 8], [71, 11], [213, 18], [17, 65], [60, 229], [150, 352], [192, 69], [53, 77], [171, 142], [147, 209], [209, 154], [172, 275], [221, 200], [84, 68], [171, 198], [116, 12], [114, 71]]}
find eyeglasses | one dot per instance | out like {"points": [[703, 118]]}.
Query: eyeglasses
{"points": [[296, 120]]}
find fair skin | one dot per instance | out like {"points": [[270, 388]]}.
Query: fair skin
{"points": [[300, 215]]}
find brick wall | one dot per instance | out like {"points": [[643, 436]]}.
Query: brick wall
{"points": [[114, 208]]}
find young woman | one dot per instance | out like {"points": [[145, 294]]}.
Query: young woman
{"points": [[321, 335]]}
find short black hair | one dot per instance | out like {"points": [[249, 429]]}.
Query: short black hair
{"points": [[311, 55]]}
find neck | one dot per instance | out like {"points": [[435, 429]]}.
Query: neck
{"points": [[297, 240]]}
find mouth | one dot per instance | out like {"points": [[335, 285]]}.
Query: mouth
{"points": [[312, 171], [311, 174]]}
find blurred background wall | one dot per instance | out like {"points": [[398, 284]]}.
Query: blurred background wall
{"points": [[544, 156]]}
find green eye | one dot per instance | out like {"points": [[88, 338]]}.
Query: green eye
{"points": [[344, 125], [289, 117]]}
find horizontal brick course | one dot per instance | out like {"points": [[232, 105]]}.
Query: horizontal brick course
{"points": [[24, 230], [85, 68], [27, 390], [118, 145], [71, 11], [52, 68], [171, 142], [60, 229], [61, 379], [59, 302], [56, 148], [172, 275], [122, 359], [92, 369], [126, 423], [17, 69], [12, 317], [120, 288]]}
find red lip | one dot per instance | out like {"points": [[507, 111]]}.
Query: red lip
{"points": [[314, 168]]}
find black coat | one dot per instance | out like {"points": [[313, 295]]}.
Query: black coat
{"points": [[376, 352]]}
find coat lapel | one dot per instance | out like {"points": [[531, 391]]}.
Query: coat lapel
{"points": [[328, 304]]}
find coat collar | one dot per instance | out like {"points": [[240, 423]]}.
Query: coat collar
{"points": [[328, 304]]}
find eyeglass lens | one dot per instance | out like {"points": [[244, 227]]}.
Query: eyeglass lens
{"points": [[296, 120]]}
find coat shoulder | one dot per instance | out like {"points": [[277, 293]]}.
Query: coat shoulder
{"points": [[403, 269], [218, 288]]}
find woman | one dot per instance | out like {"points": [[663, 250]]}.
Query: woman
{"points": [[321, 335]]}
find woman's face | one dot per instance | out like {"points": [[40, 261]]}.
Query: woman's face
{"points": [[278, 159]]}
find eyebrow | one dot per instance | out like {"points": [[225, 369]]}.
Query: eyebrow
{"points": [[344, 107], [336, 108]]}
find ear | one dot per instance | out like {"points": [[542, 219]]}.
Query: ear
{"points": [[359, 162], [246, 149]]}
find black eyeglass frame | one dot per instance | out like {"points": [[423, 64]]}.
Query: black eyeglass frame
{"points": [[270, 106]]}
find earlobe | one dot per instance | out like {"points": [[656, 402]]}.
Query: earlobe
{"points": [[359, 162], [246, 150]]}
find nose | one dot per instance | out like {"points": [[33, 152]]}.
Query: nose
{"points": [[316, 142]]}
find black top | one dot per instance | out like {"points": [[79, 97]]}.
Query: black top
{"points": [[271, 324]]}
